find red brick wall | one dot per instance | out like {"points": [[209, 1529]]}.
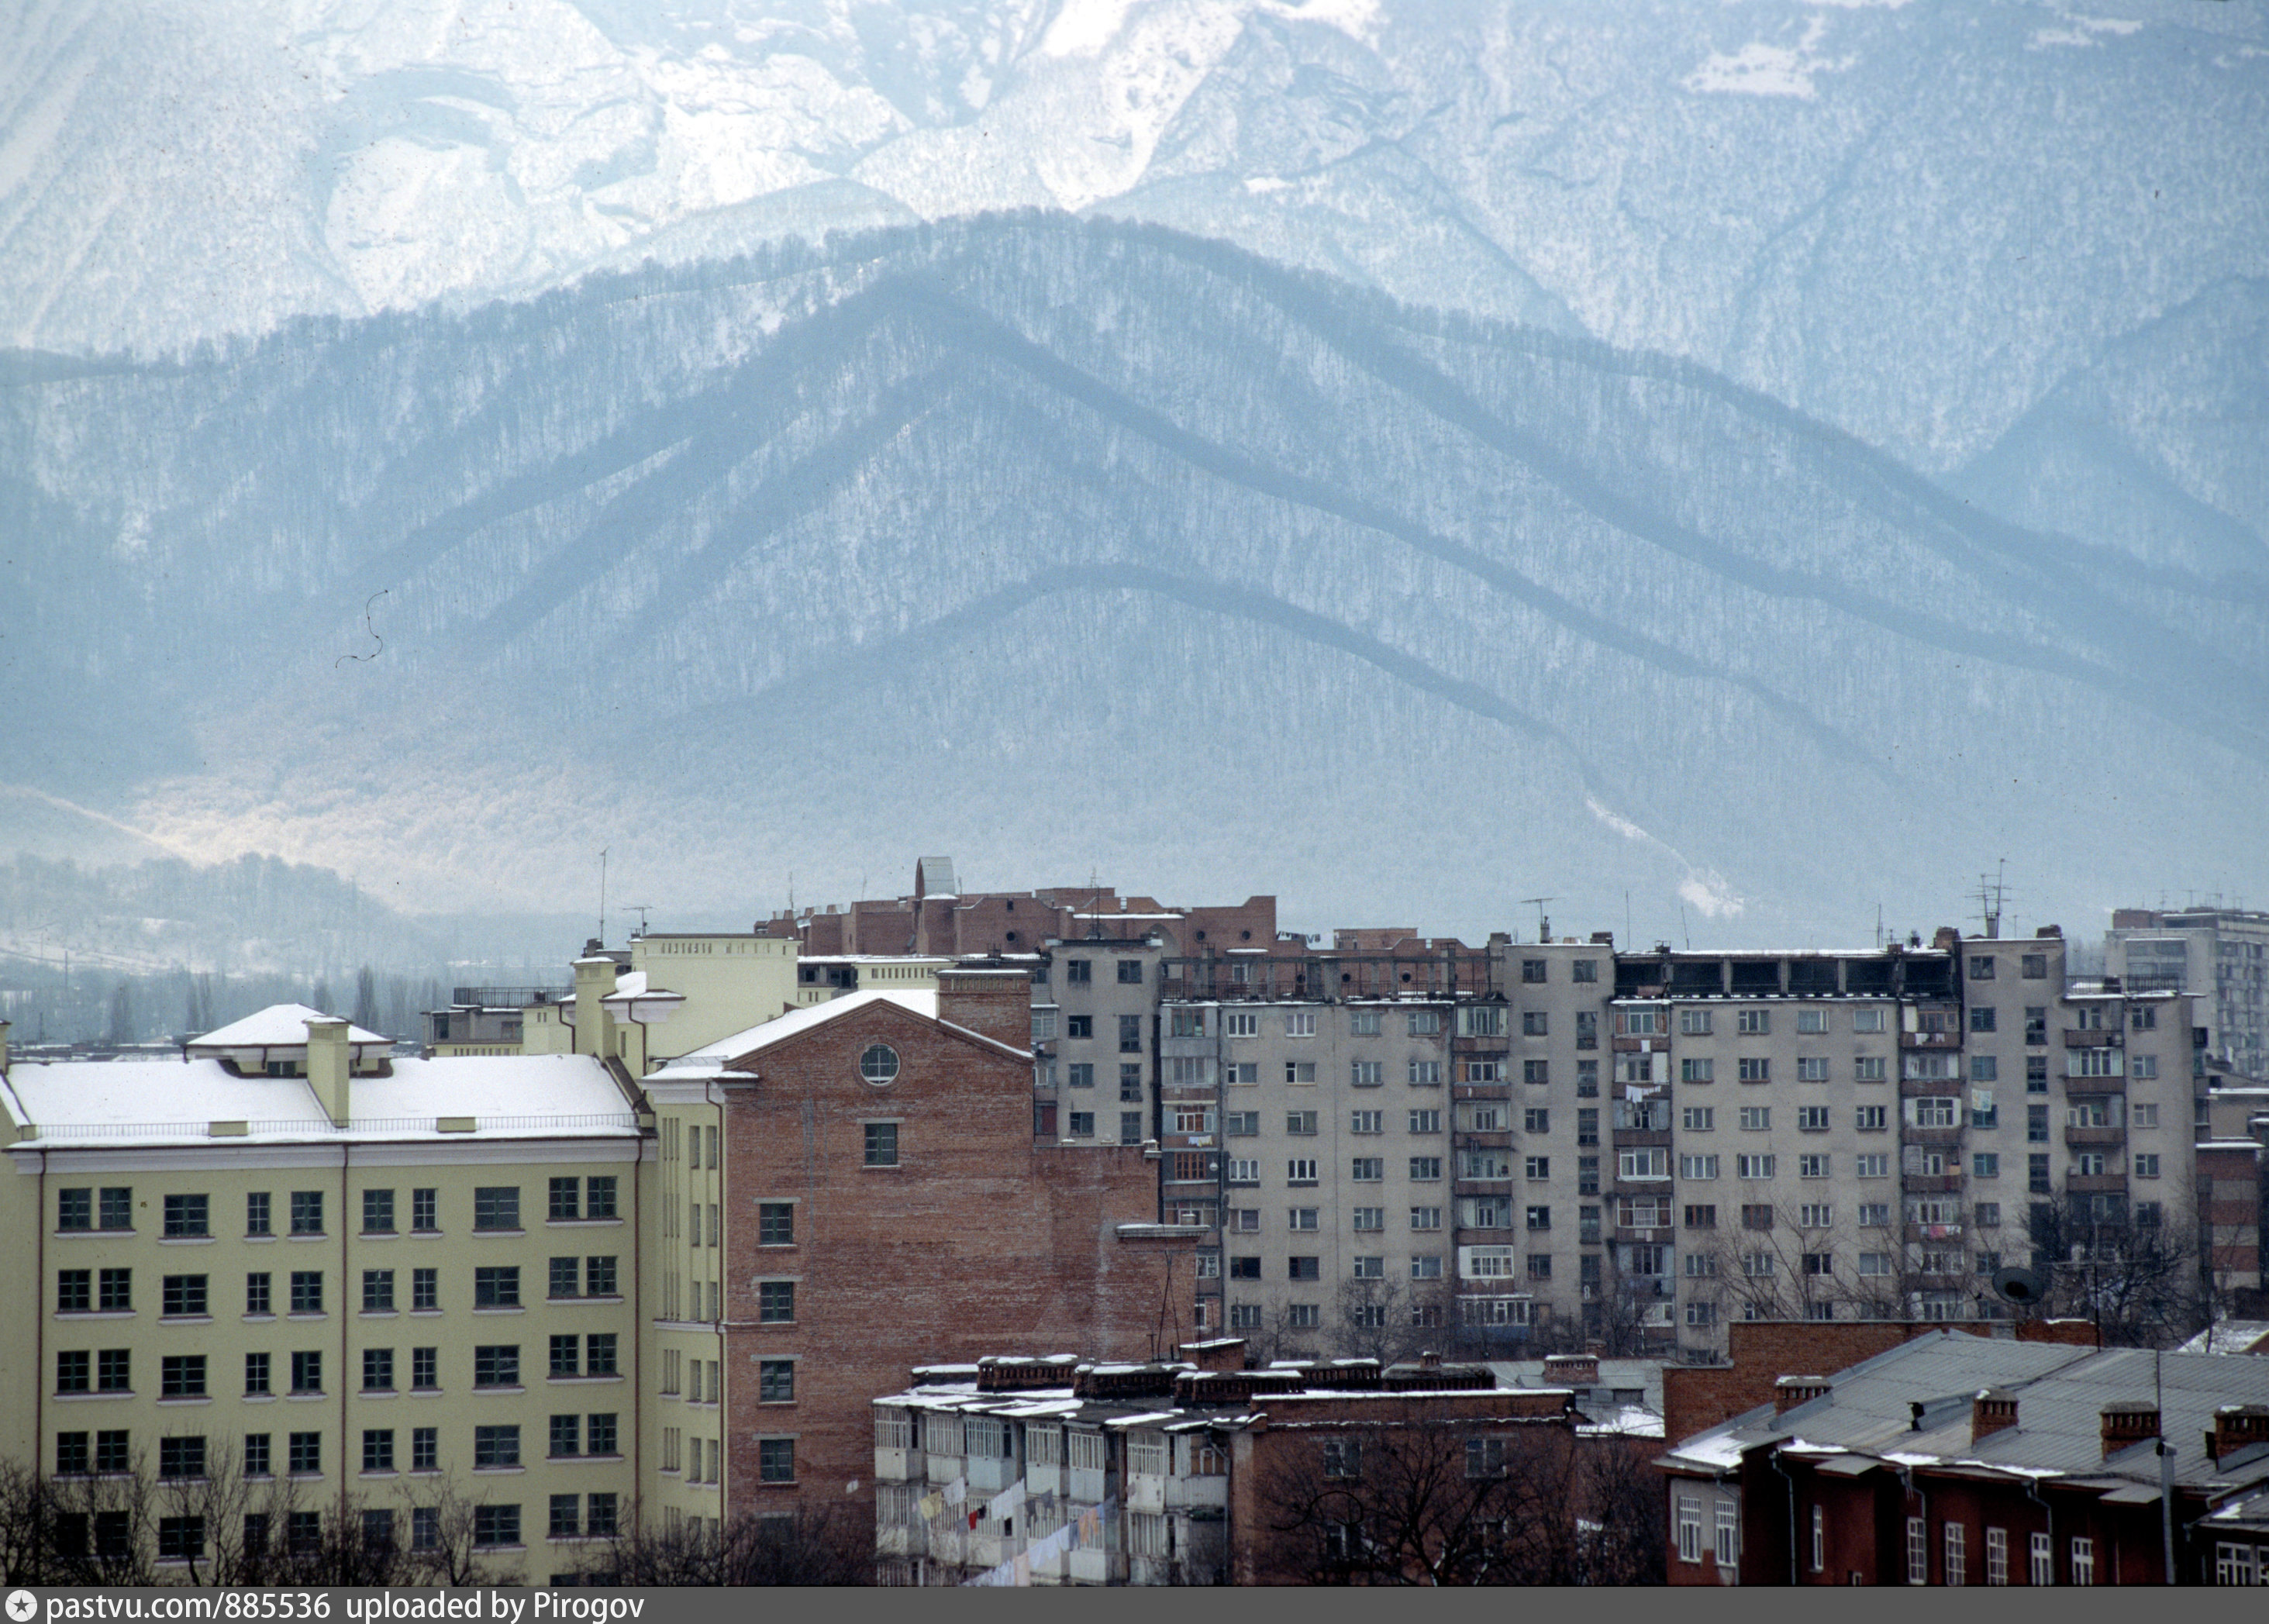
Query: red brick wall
{"points": [[979, 1242], [1697, 1396], [997, 1003]]}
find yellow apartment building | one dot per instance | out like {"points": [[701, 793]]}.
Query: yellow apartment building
{"points": [[377, 1283]]}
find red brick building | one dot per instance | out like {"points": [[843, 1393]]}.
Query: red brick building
{"points": [[885, 1203], [1960, 1459]]}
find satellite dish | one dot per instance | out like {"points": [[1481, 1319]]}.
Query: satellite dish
{"points": [[2021, 1286]]}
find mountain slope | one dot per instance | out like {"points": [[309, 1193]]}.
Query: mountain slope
{"points": [[1041, 543]]}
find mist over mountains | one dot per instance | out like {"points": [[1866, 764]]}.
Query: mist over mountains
{"points": [[1046, 542]]}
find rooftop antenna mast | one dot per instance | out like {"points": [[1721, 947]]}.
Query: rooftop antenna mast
{"points": [[641, 908], [1543, 924], [602, 897], [1991, 895]]}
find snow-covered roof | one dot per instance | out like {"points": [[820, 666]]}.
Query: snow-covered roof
{"points": [[279, 1026], [710, 1059], [123, 1102]]}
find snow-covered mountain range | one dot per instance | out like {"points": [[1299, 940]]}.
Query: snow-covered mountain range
{"points": [[1910, 220]]}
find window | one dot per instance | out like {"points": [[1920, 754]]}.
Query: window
{"points": [[1690, 1528], [1996, 1556], [493, 1526], [425, 1211], [115, 1293], [776, 1302], [1753, 1166], [776, 1460], [496, 1365], [1755, 1068], [306, 1291], [1301, 1217], [378, 1291], [1300, 1170], [304, 1453], [1299, 1071], [495, 1446], [425, 1290], [255, 1373], [306, 1212], [1241, 1024], [1696, 1069], [1081, 1125], [378, 1212], [496, 1286], [2084, 1560], [1366, 1122], [307, 1371], [1425, 1169], [1729, 1534], [1130, 972], [1874, 1215], [1534, 1024], [496, 1206], [1981, 1018], [1753, 1022], [1811, 1167], [378, 1370], [1301, 1122], [1587, 1080], [188, 1215], [2146, 1165], [1869, 1068], [180, 1538], [1425, 1218], [1583, 969], [1540, 1217], [378, 1450], [182, 1376], [2041, 1564], [1985, 1164], [1534, 1072], [1130, 1033], [71, 1368], [566, 1200], [1425, 1073], [1303, 1268], [1536, 1119], [882, 1143], [182, 1295], [2142, 1116], [1693, 1022]]}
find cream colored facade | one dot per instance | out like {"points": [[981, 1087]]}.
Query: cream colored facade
{"points": [[370, 1282], [679, 991]]}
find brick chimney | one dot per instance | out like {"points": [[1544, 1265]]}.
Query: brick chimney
{"points": [[2127, 1422], [1792, 1390], [1571, 1369], [594, 980], [1991, 1411], [994, 1003], [328, 1065], [2238, 1427], [1429, 1359], [1221, 1354]]}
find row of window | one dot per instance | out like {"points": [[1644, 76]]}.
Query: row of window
{"points": [[189, 1216], [1080, 1074], [597, 1435], [111, 1291], [1079, 1027], [109, 1534], [183, 1375]]}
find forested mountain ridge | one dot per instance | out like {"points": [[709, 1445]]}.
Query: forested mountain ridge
{"points": [[1050, 536]]}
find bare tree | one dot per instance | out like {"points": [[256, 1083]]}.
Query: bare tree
{"points": [[1421, 1502], [2143, 1279], [830, 1546], [1389, 1321]]}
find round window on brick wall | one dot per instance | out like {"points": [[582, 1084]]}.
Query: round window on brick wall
{"points": [[879, 1065]]}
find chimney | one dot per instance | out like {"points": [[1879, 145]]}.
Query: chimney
{"points": [[994, 1003], [2238, 1427], [328, 1063], [1945, 939], [2127, 1422], [1223, 1354], [1790, 1390], [3, 1051], [1571, 1369], [1991, 1411], [594, 979], [1429, 1359]]}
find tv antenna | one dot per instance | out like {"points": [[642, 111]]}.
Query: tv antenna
{"points": [[602, 897], [1992, 894], [641, 908], [1543, 925]]}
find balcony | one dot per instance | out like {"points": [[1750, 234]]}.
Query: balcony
{"points": [[1932, 1183], [2094, 1138], [1634, 1138], [2095, 1184], [1478, 1139], [1931, 1139], [2094, 1085], [1481, 1091], [2110, 1038], [1496, 1048], [1933, 1231], [1909, 1086], [1930, 1040]]}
